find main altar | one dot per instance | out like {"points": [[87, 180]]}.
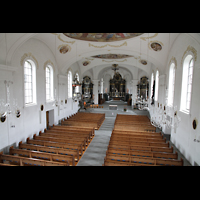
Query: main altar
{"points": [[117, 87]]}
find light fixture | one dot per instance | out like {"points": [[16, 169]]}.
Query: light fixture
{"points": [[8, 108]]}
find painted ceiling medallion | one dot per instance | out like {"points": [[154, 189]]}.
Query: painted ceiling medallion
{"points": [[102, 37], [64, 49], [144, 62], [85, 63], [156, 46], [112, 56]]}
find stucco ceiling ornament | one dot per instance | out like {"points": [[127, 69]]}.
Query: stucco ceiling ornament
{"points": [[155, 45], [30, 56], [85, 63], [102, 37], [103, 46], [190, 49], [59, 37], [144, 62], [49, 62], [145, 38], [64, 49], [173, 60], [114, 60]]}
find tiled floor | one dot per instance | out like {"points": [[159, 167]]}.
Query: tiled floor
{"points": [[95, 153]]}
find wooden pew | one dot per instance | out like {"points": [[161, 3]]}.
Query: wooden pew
{"points": [[137, 133], [61, 151], [118, 163], [52, 139], [133, 122], [131, 144], [74, 137], [139, 143], [80, 124], [142, 148], [73, 129], [66, 130], [5, 165], [85, 120], [56, 144], [21, 161], [137, 138], [150, 154], [43, 156], [151, 161], [123, 127]]}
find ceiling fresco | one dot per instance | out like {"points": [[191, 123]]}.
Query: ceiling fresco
{"points": [[112, 56], [102, 37]]}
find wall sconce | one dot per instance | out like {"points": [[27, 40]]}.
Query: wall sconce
{"points": [[7, 108]]}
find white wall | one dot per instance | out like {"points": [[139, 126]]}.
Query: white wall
{"points": [[32, 120], [185, 135]]}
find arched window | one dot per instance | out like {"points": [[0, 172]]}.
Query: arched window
{"points": [[152, 80], [77, 88], [29, 82], [187, 77], [69, 84], [49, 83], [102, 86], [157, 85], [171, 84]]}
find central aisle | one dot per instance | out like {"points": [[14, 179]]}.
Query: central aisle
{"points": [[95, 153]]}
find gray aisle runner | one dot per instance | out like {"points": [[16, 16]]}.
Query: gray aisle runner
{"points": [[95, 153]]}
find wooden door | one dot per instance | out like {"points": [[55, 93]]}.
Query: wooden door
{"points": [[47, 119]]}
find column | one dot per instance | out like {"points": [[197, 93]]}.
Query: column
{"points": [[95, 90], [134, 90]]}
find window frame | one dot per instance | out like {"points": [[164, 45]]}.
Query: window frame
{"points": [[156, 85], [189, 84], [69, 85], [152, 80], [171, 84], [51, 83], [185, 79], [32, 83]]}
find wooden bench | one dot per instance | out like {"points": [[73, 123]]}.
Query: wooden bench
{"points": [[56, 144], [74, 137], [138, 133], [150, 161], [150, 154], [21, 161], [6, 165], [133, 122], [80, 124], [65, 141], [85, 120], [118, 163], [61, 151], [73, 129], [137, 138], [142, 148], [124, 127], [139, 143], [131, 144], [43, 156]]}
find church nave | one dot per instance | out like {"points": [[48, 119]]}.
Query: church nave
{"points": [[47, 78]]}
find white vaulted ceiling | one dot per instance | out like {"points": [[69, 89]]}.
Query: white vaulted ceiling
{"points": [[80, 51]]}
